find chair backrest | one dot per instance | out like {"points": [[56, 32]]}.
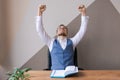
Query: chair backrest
{"points": [[50, 63], [75, 57]]}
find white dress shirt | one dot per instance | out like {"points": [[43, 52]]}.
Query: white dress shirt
{"points": [[49, 41]]}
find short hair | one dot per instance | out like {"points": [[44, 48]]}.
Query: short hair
{"points": [[63, 25]]}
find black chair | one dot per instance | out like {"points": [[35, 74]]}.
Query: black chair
{"points": [[75, 60]]}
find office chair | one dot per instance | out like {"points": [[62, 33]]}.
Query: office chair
{"points": [[75, 60]]}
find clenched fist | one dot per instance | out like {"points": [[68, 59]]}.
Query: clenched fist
{"points": [[82, 9], [41, 9]]}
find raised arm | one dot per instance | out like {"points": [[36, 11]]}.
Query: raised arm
{"points": [[84, 21], [39, 26]]}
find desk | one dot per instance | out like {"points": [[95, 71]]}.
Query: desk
{"points": [[82, 75]]}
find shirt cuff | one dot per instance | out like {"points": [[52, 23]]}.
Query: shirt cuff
{"points": [[38, 18]]}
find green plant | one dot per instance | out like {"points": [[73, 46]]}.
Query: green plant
{"points": [[18, 74]]}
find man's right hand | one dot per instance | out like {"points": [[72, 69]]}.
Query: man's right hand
{"points": [[82, 9], [41, 9]]}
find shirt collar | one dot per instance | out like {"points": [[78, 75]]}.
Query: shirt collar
{"points": [[63, 40]]}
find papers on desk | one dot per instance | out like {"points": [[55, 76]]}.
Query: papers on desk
{"points": [[69, 70]]}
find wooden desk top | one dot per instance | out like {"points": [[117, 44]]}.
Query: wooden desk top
{"points": [[82, 75]]}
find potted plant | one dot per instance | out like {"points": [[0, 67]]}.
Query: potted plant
{"points": [[19, 74]]}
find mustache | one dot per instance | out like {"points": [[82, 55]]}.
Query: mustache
{"points": [[62, 34]]}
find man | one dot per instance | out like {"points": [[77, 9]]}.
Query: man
{"points": [[61, 48]]}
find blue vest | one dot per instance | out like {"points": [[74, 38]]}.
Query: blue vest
{"points": [[62, 57]]}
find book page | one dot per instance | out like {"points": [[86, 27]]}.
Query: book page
{"points": [[58, 73], [70, 68]]}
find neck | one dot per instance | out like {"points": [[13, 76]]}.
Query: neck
{"points": [[62, 37]]}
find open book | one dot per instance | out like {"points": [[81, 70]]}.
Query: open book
{"points": [[69, 70]]}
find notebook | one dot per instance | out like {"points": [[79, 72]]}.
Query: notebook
{"points": [[69, 70]]}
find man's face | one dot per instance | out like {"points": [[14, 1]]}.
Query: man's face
{"points": [[62, 31]]}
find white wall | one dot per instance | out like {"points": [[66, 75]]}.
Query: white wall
{"points": [[100, 46], [23, 39]]}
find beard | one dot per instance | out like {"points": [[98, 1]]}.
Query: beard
{"points": [[62, 34]]}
